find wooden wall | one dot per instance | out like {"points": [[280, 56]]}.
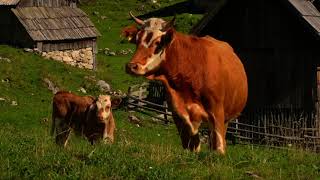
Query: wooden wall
{"points": [[280, 55], [47, 3], [66, 45]]}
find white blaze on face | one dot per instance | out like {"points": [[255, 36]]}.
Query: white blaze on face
{"points": [[151, 39], [154, 24], [104, 106]]}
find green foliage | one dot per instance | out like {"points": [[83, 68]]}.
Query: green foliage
{"points": [[152, 151]]}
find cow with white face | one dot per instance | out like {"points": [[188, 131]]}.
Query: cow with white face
{"points": [[204, 78]]}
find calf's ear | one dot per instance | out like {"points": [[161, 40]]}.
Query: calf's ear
{"points": [[130, 33], [115, 102]]}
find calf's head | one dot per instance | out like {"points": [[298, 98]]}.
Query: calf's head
{"points": [[151, 40], [102, 107]]}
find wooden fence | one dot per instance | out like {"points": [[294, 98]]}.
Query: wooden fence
{"points": [[270, 126]]}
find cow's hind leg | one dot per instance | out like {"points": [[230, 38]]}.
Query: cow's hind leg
{"points": [[62, 132], [217, 130]]}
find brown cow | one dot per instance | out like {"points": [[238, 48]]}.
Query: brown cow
{"points": [[86, 115], [204, 78]]}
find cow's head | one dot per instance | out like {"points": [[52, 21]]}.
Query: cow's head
{"points": [[151, 40]]}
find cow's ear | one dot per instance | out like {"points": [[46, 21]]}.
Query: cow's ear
{"points": [[130, 33], [115, 102], [169, 25], [92, 106]]}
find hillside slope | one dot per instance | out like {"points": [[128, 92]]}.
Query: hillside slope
{"points": [[150, 151]]}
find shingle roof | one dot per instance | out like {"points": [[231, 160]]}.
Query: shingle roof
{"points": [[308, 12], [9, 2], [63, 23]]}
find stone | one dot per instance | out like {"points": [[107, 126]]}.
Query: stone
{"points": [[133, 119], [88, 53], [103, 86], [5, 59], [96, 13], [28, 50], [88, 66], [67, 59], [14, 103], [65, 53], [75, 54], [73, 63], [111, 53], [51, 86], [82, 90], [58, 58]]}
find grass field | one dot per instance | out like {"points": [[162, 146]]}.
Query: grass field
{"points": [[152, 151]]}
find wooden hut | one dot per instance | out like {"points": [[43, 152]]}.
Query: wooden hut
{"points": [[278, 42], [55, 28]]}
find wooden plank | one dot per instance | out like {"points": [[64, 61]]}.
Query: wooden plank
{"points": [[148, 108], [39, 46], [147, 102], [317, 119], [305, 7]]}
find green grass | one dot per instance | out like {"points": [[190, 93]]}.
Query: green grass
{"points": [[152, 151]]}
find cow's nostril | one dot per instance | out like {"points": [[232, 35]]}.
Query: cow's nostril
{"points": [[132, 66]]}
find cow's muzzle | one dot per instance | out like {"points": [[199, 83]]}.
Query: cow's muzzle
{"points": [[132, 68]]}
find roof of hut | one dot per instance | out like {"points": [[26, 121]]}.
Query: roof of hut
{"points": [[302, 8], [309, 13], [9, 2], [50, 24]]}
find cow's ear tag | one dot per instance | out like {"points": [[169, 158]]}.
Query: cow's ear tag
{"points": [[129, 38]]}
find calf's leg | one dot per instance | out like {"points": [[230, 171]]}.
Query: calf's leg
{"points": [[62, 132]]}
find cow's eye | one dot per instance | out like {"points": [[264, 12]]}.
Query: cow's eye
{"points": [[158, 47]]}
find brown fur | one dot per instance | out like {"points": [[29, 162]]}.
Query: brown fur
{"points": [[79, 113], [205, 80]]}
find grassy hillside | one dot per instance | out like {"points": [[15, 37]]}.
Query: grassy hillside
{"points": [[152, 151]]}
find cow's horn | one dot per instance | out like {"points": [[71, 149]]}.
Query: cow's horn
{"points": [[137, 20]]}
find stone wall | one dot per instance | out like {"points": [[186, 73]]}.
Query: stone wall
{"points": [[82, 58]]}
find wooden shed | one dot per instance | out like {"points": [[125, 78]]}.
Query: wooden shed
{"points": [[55, 28], [278, 42]]}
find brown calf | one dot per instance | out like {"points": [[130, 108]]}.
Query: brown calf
{"points": [[86, 115]]}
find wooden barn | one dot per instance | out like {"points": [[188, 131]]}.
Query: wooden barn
{"points": [[55, 28], [279, 43]]}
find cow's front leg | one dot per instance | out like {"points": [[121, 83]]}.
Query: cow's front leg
{"points": [[178, 104], [191, 142], [217, 127], [108, 134]]}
